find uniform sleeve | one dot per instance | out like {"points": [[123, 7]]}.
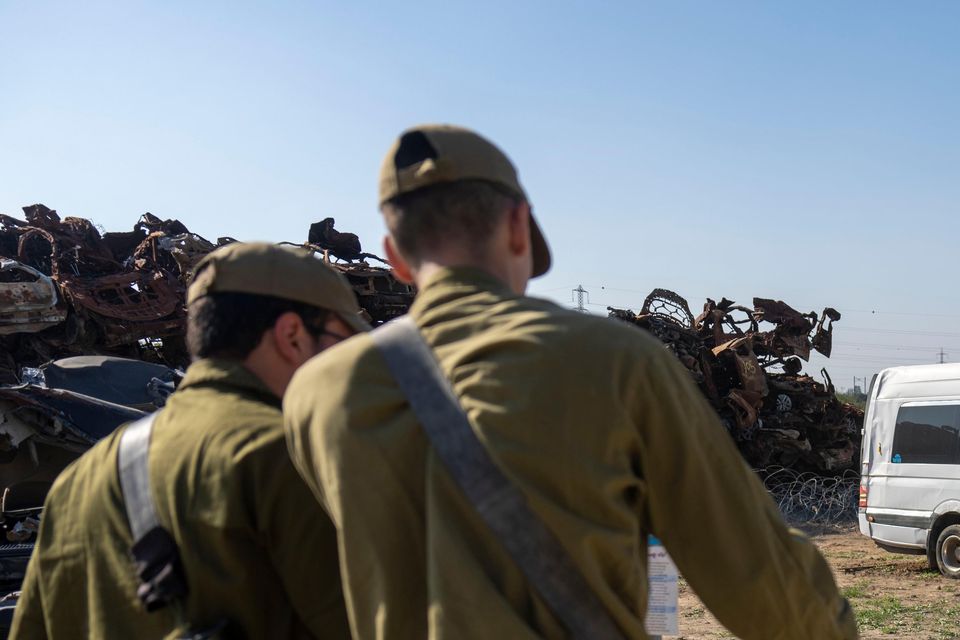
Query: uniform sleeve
{"points": [[28, 621], [301, 541], [760, 579], [378, 511]]}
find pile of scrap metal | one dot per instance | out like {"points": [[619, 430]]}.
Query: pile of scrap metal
{"points": [[752, 377], [66, 289]]}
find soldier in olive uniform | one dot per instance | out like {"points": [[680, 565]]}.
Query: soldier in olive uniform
{"points": [[257, 551], [594, 421]]}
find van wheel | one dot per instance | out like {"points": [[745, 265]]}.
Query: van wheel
{"points": [[948, 551]]}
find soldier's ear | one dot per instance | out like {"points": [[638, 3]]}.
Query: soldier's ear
{"points": [[518, 219], [401, 268], [289, 337]]}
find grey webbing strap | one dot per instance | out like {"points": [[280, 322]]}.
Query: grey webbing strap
{"points": [[135, 476], [502, 506]]}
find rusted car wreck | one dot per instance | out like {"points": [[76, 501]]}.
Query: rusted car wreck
{"points": [[752, 376]]}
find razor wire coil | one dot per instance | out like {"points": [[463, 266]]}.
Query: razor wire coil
{"points": [[808, 498]]}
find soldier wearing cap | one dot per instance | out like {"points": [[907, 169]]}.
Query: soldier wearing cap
{"points": [[595, 422], [257, 552]]}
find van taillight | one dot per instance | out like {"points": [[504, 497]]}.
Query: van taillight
{"points": [[863, 497]]}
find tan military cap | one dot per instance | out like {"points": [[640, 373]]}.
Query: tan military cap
{"points": [[435, 153], [282, 272]]}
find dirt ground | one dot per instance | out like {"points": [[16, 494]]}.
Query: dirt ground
{"points": [[894, 596]]}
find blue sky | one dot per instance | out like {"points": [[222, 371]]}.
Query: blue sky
{"points": [[802, 151]]}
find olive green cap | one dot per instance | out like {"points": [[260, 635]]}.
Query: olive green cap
{"points": [[436, 153], [267, 269]]}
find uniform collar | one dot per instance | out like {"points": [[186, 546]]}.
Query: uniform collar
{"points": [[225, 373], [456, 281]]}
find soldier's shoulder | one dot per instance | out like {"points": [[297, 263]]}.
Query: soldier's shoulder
{"points": [[596, 331], [88, 473], [226, 427], [344, 361], [252, 432]]}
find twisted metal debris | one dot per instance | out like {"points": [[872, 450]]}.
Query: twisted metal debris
{"points": [[66, 289], [753, 379]]}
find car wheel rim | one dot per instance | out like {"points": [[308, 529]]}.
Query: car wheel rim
{"points": [[950, 554]]}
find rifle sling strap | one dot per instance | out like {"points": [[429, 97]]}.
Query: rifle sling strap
{"points": [[501, 505], [135, 476], [155, 553]]}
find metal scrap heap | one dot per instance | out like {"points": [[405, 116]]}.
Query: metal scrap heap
{"points": [[752, 377], [66, 289]]}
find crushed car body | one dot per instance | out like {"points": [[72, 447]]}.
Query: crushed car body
{"points": [[747, 361]]}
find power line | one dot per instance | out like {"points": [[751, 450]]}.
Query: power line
{"points": [[901, 313], [870, 345], [542, 291], [880, 359], [904, 332], [903, 354], [890, 346], [840, 309]]}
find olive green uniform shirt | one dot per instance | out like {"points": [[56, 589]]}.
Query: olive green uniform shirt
{"points": [[605, 434], [256, 547]]}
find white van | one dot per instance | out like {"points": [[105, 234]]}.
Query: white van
{"points": [[910, 463]]}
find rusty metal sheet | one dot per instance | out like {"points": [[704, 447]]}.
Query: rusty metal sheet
{"points": [[743, 405], [752, 377], [132, 296], [719, 323], [823, 338], [72, 245]]}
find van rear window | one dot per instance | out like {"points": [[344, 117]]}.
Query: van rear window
{"points": [[927, 435]]}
